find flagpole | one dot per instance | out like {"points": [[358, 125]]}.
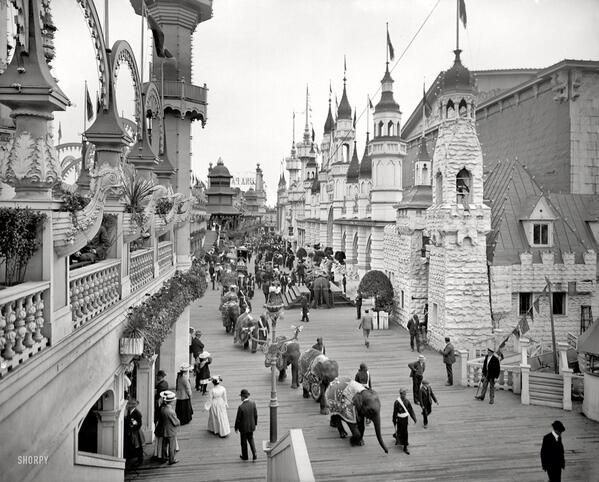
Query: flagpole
{"points": [[141, 68], [387, 45], [85, 107], [423, 108], [367, 111], [457, 26], [106, 23]]}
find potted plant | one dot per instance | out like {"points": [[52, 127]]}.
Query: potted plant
{"points": [[19, 241], [136, 192]]}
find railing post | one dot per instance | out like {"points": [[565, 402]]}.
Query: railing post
{"points": [[524, 371], [566, 373], [461, 368]]}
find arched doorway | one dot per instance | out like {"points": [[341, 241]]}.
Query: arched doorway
{"points": [[97, 431], [330, 228]]}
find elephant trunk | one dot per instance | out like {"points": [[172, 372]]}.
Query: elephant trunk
{"points": [[377, 428]]}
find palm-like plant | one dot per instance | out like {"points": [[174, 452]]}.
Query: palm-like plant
{"points": [[136, 189]]}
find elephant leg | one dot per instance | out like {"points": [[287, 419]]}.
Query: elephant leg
{"points": [[254, 346], [246, 345], [294, 375], [306, 393], [338, 424], [356, 438], [282, 374], [324, 407]]}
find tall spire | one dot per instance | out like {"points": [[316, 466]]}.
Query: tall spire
{"points": [[307, 126], [329, 124], [344, 110]]}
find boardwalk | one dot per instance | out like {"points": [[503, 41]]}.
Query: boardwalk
{"points": [[466, 440]]}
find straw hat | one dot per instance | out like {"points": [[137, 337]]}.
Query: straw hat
{"points": [[168, 396], [204, 355], [185, 367]]}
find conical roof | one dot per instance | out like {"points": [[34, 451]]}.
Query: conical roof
{"points": [[344, 110], [282, 182], [353, 171], [387, 102], [330, 123], [458, 78], [366, 164]]}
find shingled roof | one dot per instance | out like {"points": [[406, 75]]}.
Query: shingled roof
{"points": [[512, 193]]}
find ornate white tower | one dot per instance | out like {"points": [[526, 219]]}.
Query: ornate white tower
{"points": [[387, 152], [458, 221]]}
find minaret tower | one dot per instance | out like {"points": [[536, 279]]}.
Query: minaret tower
{"points": [[458, 220], [292, 163], [183, 103], [282, 205], [305, 150]]}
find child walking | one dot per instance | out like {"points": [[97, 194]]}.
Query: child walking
{"points": [[202, 371]]}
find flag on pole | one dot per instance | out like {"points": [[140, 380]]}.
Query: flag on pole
{"points": [[313, 134], [535, 304], [89, 107], [370, 103], [330, 90], [523, 326], [355, 118], [425, 105], [344, 65], [390, 47], [462, 7], [60, 133], [157, 33]]}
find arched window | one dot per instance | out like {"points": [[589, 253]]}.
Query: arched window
{"points": [[463, 186], [463, 110], [391, 128], [439, 188], [450, 110], [381, 128], [398, 131], [345, 153]]}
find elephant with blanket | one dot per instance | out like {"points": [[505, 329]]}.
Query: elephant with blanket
{"points": [[316, 372], [351, 403]]}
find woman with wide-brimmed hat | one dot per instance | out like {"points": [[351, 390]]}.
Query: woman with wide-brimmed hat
{"points": [[217, 404], [183, 408], [202, 370]]}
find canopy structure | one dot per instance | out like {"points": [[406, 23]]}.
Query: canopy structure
{"points": [[588, 342]]}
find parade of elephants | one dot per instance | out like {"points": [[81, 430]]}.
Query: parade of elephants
{"points": [[259, 278]]}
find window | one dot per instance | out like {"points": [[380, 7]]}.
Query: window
{"points": [[540, 234], [402, 299], [525, 303], [463, 185], [559, 303]]}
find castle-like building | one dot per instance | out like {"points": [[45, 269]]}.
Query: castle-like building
{"points": [[484, 200]]}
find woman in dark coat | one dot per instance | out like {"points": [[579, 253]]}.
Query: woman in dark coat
{"points": [[183, 407]]}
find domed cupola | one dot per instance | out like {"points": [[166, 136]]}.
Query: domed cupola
{"points": [[458, 89], [353, 171], [387, 102]]}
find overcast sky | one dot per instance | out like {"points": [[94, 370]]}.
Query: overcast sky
{"points": [[257, 57]]}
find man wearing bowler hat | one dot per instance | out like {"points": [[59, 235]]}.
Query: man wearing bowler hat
{"points": [[552, 452], [245, 424]]}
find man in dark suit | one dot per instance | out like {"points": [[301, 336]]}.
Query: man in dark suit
{"points": [[245, 424], [449, 360], [417, 374], [414, 328], [491, 370], [134, 437], [552, 452]]}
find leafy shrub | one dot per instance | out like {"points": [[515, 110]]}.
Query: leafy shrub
{"points": [[163, 206], [376, 283], [18, 241], [153, 319]]}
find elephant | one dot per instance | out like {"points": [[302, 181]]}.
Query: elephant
{"points": [[349, 401], [230, 311], [287, 352], [320, 286], [316, 372], [249, 329]]}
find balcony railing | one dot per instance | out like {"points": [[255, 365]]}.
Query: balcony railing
{"points": [[141, 268], [22, 317], [509, 376], [94, 289], [185, 91], [165, 255]]}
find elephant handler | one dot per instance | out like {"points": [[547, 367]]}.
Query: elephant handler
{"points": [[401, 409]]}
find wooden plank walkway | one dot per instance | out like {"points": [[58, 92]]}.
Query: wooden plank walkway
{"points": [[466, 440]]}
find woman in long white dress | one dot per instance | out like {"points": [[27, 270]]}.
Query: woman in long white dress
{"points": [[218, 420]]}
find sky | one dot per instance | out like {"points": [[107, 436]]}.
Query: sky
{"points": [[257, 57]]}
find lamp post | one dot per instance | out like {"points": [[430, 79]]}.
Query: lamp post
{"points": [[274, 310]]}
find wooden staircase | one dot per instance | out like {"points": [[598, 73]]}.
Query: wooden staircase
{"points": [[546, 389], [293, 295]]}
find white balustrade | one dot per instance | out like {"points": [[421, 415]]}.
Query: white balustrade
{"points": [[165, 255], [93, 289], [141, 267], [21, 322]]}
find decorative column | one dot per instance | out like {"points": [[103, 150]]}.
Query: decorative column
{"points": [[525, 371], [461, 368], [175, 349], [566, 375], [28, 88], [145, 395]]}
